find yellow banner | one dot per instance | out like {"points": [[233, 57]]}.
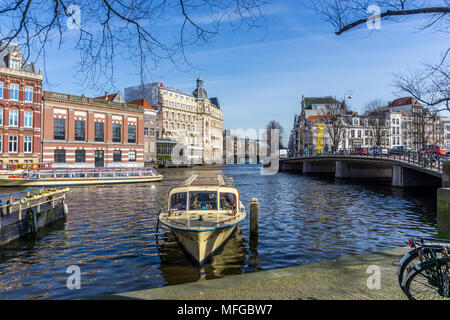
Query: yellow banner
{"points": [[320, 138], [301, 137]]}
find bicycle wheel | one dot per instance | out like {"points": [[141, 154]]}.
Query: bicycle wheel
{"points": [[405, 265], [428, 281], [412, 258]]}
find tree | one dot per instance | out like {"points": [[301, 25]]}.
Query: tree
{"points": [[378, 126], [131, 30], [424, 130], [375, 112], [333, 119], [428, 84]]}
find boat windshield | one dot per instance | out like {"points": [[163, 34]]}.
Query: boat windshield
{"points": [[203, 200], [178, 201], [227, 201]]}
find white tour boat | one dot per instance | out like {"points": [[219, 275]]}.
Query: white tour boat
{"points": [[203, 213]]}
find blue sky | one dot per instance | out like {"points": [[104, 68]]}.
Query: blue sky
{"points": [[260, 75]]}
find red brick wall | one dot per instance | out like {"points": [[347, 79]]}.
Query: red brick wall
{"points": [[5, 130], [90, 145]]}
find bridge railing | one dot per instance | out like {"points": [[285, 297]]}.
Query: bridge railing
{"points": [[425, 160]]}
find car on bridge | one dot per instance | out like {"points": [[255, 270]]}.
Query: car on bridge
{"points": [[377, 151], [400, 150], [434, 149], [359, 151]]}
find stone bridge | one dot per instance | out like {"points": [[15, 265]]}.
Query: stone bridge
{"points": [[403, 172]]}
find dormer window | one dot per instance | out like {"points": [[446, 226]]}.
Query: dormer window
{"points": [[15, 64]]}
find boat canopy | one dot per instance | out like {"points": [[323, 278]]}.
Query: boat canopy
{"points": [[204, 193]]}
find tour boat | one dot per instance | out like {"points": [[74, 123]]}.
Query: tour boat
{"points": [[44, 177], [203, 213]]}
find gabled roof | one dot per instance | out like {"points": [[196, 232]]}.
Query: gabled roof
{"points": [[319, 100], [142, 102], [404, 102], [115, 97], [6, 49], [318, 118]]}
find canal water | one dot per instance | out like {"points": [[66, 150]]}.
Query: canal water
{"points": [[110, 233]]}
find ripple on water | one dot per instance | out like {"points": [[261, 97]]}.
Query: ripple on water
{"points": [[110, 233]]}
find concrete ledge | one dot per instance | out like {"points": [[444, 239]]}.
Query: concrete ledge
{"points": [[443, 212], [341, 279], [12, 228]]}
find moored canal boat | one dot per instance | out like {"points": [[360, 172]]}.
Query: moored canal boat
{"points": [[203, 213], [77, 176]]}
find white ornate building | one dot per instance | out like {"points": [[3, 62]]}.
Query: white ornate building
{"points": [[191, 121]]}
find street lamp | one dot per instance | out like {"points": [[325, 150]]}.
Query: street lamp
{"points": [[348, 94]]}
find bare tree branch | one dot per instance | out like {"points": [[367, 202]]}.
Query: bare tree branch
{"points": [[131, 30]]}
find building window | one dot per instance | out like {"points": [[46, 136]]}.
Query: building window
{"points": [[152, 132], [1, 117], [146, 132], [28, 119], [117, 156], [80, 156], [59, 129], [116, 129], [1, 90], [1, 144], [15, 63], [14, 92], [80, 131], [28, 94], [131, 133], [99, 132], [132, 156], [13, 144], [13, 118], [27, 144], [60, 156]]}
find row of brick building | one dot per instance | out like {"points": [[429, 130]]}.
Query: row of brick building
{"points": [[67, 130]]}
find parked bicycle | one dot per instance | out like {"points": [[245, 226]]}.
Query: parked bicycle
{"points": [[423, 273]]}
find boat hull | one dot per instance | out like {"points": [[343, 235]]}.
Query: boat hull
{"points": [[201, 245], [17, 182]]}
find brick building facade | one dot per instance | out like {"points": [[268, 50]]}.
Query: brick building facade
{"points": [[91, 132], [151, 127], [20, 107]]}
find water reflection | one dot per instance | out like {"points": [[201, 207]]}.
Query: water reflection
{"points": [[110, 233], [176, 266]]}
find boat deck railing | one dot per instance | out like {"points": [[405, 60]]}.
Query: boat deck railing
{"points": [[61, 173], [201, 221], [21, 202]]}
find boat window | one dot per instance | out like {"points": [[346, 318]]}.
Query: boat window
{"points": [[178, 201], [227, 201], [203, 200]]}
